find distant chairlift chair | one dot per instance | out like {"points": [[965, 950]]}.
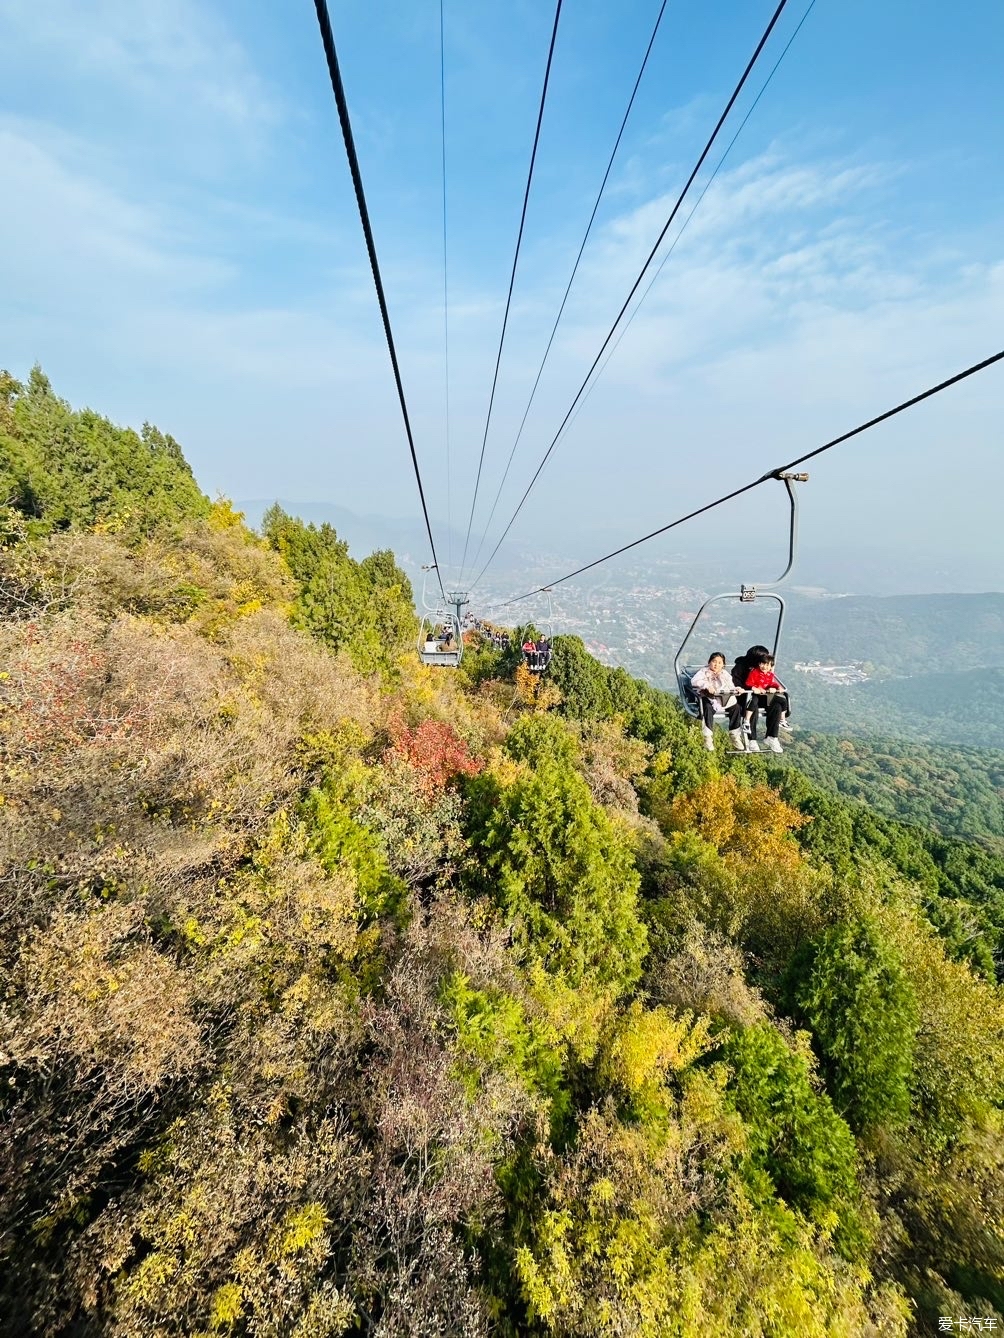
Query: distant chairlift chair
{"points": [[538, 660], [440, 631], [746, 594]]}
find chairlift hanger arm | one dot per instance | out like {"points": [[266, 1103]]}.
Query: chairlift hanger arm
{"points": [[789, 480]]}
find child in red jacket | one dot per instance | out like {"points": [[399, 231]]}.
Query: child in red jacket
{"points": [[762, 679]]}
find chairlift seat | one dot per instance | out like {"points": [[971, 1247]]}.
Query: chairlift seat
{"points": [[537, 661], [447, 659]]}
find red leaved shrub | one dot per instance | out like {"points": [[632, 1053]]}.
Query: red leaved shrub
{"points": [[434, 749]]}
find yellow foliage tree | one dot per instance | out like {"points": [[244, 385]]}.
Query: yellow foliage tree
{"points": [[747, 876]]}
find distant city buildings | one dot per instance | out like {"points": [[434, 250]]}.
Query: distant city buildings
{"points": [[640, 623], [836, 674]]}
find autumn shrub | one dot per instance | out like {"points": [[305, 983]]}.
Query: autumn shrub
{"points": [[434, 750], [955, 1079], [707, 974], [128, 741], [600, 1258], [419, 827], [734, 852], [612, 761], [943, 1210]]}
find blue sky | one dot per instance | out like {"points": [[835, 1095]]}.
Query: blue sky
{"points": [[179, 243]]}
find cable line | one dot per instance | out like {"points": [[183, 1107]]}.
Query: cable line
{"points": [[637, 283], [773, 473], [575, 270], [446, 287], [512, 279], [328, 39], [707, 186]]}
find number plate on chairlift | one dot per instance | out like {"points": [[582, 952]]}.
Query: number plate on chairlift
{"points": [[747, 594]]}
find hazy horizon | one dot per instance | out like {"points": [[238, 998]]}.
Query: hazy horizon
{"points": [[861, 570]]}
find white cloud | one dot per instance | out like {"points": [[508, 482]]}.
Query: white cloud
{"points": [[797, 305], [176, 55], [777, 248]]}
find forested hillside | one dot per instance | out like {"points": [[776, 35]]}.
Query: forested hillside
{"points": [[902, 635], [952, 791], [347, 996], [963, 707]]}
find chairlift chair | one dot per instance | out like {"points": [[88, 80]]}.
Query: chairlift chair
{"points": [[537, 661], [746, 594], [440, 630]]}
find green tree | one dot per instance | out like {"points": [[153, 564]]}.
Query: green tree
{"points": [[794, 1134], [581, 679], [557, 867], [363, 608], [851, 989]]}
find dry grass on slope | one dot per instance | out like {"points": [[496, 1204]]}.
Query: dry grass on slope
{"points": [[130, 746]]}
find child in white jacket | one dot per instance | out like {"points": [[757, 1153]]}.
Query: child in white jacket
{"points": [[715, 691]]}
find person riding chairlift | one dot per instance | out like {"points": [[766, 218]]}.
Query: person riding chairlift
{"points": [[716, 692], [755, 673]]}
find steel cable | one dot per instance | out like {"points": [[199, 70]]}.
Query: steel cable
{"points": [[637, 283], [772, 473], [338, 88], [512, 280], [571, 279]]}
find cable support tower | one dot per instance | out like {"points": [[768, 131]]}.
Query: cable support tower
{"points": [[338, 88], [637, 283], [571, 278], [512, 279], [771, 473], [446, 289], [672, 247]]}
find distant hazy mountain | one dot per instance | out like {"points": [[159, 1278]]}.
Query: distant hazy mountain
{"points": [[364, 534], [569, 541]]}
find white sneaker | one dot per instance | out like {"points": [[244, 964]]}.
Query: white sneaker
{"points": [[737, 740], [709, 738], [789, 729], [773, 745], [752, 746]]}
